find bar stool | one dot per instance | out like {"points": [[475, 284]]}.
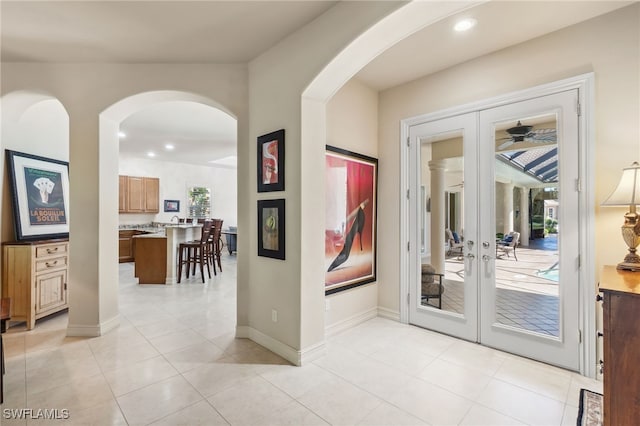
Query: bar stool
{"points": [[214, 244], [192, 253]]}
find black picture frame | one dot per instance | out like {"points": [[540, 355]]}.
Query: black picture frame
{"points": [[40, 196], [171, 206], [351, 219], [271, 228], [270, 165]]}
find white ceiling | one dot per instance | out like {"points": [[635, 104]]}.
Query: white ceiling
{"points": [[236, 32]]}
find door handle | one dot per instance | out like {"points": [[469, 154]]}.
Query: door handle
{"points": [[471, 256], [486, 257], [486, 244]]}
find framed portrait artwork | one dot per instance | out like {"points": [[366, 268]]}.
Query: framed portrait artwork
{"points": [[350, 229], [40, 196], [271, 228], [171, 205], [271, 162]]}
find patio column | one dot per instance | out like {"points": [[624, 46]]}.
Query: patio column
{"points": [[508, 208], [524, 216], [437, 215]]}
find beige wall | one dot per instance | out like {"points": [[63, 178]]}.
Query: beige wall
{"points": [[352, 124], [86, 90], [608, 45]]}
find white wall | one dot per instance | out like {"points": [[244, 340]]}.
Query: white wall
{"points": [[608, 45], [34, 124], [175, 178], [352, 124]]}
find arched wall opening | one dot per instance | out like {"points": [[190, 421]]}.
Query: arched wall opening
{"points": [[108, 151], [394, 27], [35, 123]]}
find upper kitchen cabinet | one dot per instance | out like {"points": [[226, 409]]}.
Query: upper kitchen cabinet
{"points": [[139, 194]]}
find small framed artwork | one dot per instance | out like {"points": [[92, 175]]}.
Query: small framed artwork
{"points": [[171, 205], [271, 227], [350, 229], [40, 195], [271, 162]]}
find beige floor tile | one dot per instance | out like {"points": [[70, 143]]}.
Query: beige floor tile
{"points": [[106, 414], [537, 377], [156, 401], [460, 380], [250, 402], [339, 402], [405, 359], [431, 403], [425, 341], [138, 375], [198, 414], [296, 381], [122, 336], [481, 358], [483, 416], [387, 414], [81, 394], [521, 404], [120, 356], [198, 355], [161, 328], [176, 340], [232, 345], [217, 377], [570, 415], [63, 371]]}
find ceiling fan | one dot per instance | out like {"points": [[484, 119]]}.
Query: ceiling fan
{"points": [[522, 133]]}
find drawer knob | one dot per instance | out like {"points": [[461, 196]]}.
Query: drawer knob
{"points": [[51, 265], [53, 250], [599, 298]]}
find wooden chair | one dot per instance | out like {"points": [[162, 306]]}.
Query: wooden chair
{"points": [[215, 244], [194, 253]]}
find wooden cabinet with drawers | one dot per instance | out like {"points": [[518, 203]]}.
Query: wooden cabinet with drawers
{"points": [[138, 194], [621, 333], [34, 276]]}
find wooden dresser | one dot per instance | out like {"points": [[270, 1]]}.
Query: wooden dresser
{"points": [[621, 373], [34, 276]]}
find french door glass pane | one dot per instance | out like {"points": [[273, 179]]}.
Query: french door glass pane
{"points": [[527, 265], [442, 222]]}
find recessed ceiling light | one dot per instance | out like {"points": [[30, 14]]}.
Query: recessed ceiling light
{"points": [[465, 24], [169, 147], [122, 135], [151, 154]]}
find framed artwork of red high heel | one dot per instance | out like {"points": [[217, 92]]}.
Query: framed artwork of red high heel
{"points": [[351, 223]]}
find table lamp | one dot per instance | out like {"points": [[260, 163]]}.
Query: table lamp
{"points": [[627, 193]]}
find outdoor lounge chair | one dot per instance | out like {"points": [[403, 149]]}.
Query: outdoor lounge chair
{"points": [[508, 244]]}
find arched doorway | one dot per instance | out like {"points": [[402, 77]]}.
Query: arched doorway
{"points": [[108, 150]]}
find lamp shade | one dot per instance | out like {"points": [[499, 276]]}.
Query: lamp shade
{"points": [[628, 191]]}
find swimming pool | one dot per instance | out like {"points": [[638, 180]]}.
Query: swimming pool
{"points": [[551, 274]]}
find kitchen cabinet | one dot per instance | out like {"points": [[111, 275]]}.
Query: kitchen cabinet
{"points": [[126, 244], [138, 194], [621, 334], [34, 276]]}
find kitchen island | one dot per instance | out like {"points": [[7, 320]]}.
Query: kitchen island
{"points": [[177, 234], [150, 258]]}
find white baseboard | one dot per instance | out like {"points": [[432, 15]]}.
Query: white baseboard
{"points": [[292, 355], [350, 322], [389, 314], [74, 330]]}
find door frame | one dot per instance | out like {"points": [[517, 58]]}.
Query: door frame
{"points": [[585, 84]]}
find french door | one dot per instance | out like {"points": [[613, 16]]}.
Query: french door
{"points": [[494, 211]]}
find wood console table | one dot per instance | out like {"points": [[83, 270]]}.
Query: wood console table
{"points": [[621, 372]]}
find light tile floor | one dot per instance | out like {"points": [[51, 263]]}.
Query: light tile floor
{"points": [[174, 361]]}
